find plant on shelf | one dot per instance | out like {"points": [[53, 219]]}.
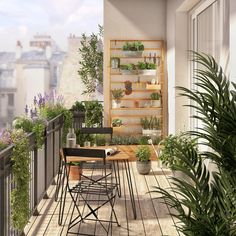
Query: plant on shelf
{"points": [[146, 68], [127, 69], [133, 49], [143, 155], [91, 63], [117, 94], [207, 207], [93, 113], [134, 46], [117, 122], [151, 126], [156, 99], [115, 62]]}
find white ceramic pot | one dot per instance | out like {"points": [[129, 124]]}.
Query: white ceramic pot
{"points": [[156, 103], [150, 132], [143, 168], [133, 53], [147, 72], [116, 103]]}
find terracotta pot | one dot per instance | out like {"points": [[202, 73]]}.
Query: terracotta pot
{"points": [[75, 172]]}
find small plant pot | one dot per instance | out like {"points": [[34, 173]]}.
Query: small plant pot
{"points": [[156, 103], [75, 172], [115, 63], [132, 53], [143, 167], [116, 103], [147, 72]]}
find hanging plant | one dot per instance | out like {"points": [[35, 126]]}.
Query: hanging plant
{"points": [[21, 177]]}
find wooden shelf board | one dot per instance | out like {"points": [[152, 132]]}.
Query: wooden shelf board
{"points": [[136, 99], [135, 40], [118, 73], [135, 116], [136, 108], [142, 90], [145, 49]]}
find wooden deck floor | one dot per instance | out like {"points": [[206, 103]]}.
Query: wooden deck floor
{"points": [[152, 216]]}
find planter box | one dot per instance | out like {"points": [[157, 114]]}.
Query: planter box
{"points": [[156, 103], [147, 72], [132, 53], [151, 132], [128, 72]]}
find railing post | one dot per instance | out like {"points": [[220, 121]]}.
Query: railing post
{"points": [[35, 213]]}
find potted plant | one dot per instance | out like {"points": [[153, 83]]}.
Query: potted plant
{"points": [[151, 126], [115, 62], [156, 99], [143, 155], [117, 122], [169, 152], [134, 49], [93, 113], [128, 69], [117, 94], [146, 68]]}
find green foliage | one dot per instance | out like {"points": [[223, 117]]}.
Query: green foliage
{"points": [[51, 111], [129, 67], [143, 153], [150, 123], [21, 177], [78, 106], [216, 109], [155, 96], [143, 140], [146, 66], [117, 94], [207, 207], [134, 46], [81, 138], [37, 126], [93, 114], [170, 151], [100, 139], [91, 65], [124, 140], [117, 122]]}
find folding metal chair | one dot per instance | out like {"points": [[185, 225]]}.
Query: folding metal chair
{"points": [[91, 189]]}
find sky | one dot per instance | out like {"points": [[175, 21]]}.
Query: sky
{"points": [[21, 19]]}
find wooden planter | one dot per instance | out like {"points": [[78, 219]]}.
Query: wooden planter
{"points": [[75, 172]]}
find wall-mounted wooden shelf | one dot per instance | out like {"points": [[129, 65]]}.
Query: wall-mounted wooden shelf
{"points": [[139, 94]]}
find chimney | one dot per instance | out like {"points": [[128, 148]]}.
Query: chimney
{"points": [[48, 52], [18, 49]]}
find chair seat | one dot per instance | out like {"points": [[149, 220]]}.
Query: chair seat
{"points": [[94, 188]]}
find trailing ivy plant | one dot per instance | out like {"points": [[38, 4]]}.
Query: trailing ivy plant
{"points": [[21, 177], [36, 125], [91, 64]]}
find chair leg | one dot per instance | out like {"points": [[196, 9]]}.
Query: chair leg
{"points": [[59, 175]]}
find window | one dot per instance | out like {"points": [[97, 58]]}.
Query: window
{"points": [[209, 33]]}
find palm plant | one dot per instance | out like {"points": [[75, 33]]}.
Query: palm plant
{"points": [[207, 206]]}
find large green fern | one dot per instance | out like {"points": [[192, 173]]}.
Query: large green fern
{"points": [[206, 206]]}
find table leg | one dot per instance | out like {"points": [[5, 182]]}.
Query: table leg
{"points": [[131, 192]]}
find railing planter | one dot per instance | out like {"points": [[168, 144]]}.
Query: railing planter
{"points": [[43, 168]]}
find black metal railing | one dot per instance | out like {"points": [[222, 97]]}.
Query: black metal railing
{"points": [[43, 168]]}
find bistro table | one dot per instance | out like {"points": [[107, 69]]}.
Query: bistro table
{"points": [[118, 156]]}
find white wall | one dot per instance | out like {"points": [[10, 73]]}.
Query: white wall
{"points": [[232, 40], [131, 19]]}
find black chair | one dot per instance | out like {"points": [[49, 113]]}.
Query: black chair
{"points": [[93, 188]]}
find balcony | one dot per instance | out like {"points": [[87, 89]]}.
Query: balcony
{"points": [[152, 215]]}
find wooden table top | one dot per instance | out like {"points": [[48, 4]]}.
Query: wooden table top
{"points": [[118, 156]]}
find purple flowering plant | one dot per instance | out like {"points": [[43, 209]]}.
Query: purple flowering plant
{"points": [[5, 138]]}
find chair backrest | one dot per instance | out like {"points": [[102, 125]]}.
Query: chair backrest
{"points": [[98, 130], [84, 152]]}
